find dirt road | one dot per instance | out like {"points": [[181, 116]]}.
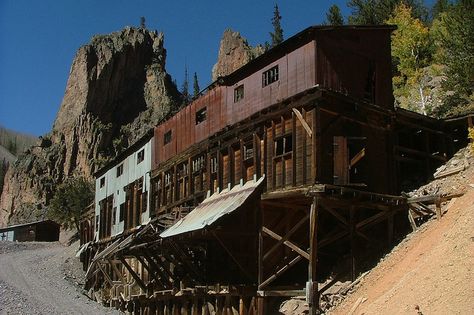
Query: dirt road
{"points": [[33, 281]]}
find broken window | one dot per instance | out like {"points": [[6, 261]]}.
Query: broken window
{"points": [[248, 151], [140, 156], [167, 137], [102, 182], [201, 115], [238, 93], [270, 76], [119, 170], [114, 216], [122, 212], [213, 164], [349, 164], [283, 145], [199, 163]]}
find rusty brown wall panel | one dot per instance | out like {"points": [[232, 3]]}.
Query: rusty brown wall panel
{"points": [[344, 59]]}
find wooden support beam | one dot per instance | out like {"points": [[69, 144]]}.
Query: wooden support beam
{"points": [[286, 236], [303, 122], [116, 271], [357, 158], [352, 240], [133, 274], [291, 245], [106, 276], [279, 272], [150, 270], [312, 285]]}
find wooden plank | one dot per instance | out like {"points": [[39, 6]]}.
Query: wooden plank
{"points": [[286, 236], [303, 122], [286, 242], [286, 293], [133, 274], [412, 220], [279, 272], [357, 158], [312, 286]]}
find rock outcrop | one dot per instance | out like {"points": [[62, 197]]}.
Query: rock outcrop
{"points": [[117, 89], [234, 52]]}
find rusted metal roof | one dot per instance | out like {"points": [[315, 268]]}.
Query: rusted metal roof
{"points": [[213, 208]]}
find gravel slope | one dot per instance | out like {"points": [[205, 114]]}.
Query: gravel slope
{"points": [[33, 281]]}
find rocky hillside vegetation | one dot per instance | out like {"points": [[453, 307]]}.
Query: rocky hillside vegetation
{"points": [[117, 89]]}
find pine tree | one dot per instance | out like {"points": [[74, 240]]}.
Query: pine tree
{"points": [[277, 34], [334, 16], [196, 89], [185, 86], [454, 38], [439, 7], [142, 22], [376, 12]]}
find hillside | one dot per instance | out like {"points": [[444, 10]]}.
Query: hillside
{"points": [[431, 270]]}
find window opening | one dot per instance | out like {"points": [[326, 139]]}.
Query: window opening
{"points": [[238, 93], [284, 145], [270, 76], [201, 115], [140, 156], [102, 182], [167, 137], [119, 170]]}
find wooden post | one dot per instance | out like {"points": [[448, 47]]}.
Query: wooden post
{"points": [[438, 209], [243, 306], [351, 235], [312, 293], [390, 228]]}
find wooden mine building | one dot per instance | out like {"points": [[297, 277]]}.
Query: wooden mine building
{"points": [[279, 176]]}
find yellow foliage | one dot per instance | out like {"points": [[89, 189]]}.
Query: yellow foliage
{"points": [[471, 137]]}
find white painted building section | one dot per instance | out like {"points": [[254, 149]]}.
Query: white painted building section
{"points": [[111, 183]]}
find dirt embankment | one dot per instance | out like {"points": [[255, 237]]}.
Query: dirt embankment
{"points": [[432, 270], [34, 280]]}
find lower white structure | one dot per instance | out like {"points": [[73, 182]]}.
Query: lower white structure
{"points": [[122, 190]]}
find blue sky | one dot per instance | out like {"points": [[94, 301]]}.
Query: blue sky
{"points": [[38, 41]]}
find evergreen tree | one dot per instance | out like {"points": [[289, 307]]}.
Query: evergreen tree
{"points": [[376, 12], [277, 34], [142, 22], [439, 7], [334, 16], [196, 89], [453, 31], [185, 86]]}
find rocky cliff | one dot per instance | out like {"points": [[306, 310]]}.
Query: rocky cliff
{"points": [[117, 89], [234, 52]]}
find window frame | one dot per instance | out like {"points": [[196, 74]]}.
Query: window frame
{"points": [[167, 137], [201, 115], [270, 76], [140, 156], [239, 93], [119, 170]]}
